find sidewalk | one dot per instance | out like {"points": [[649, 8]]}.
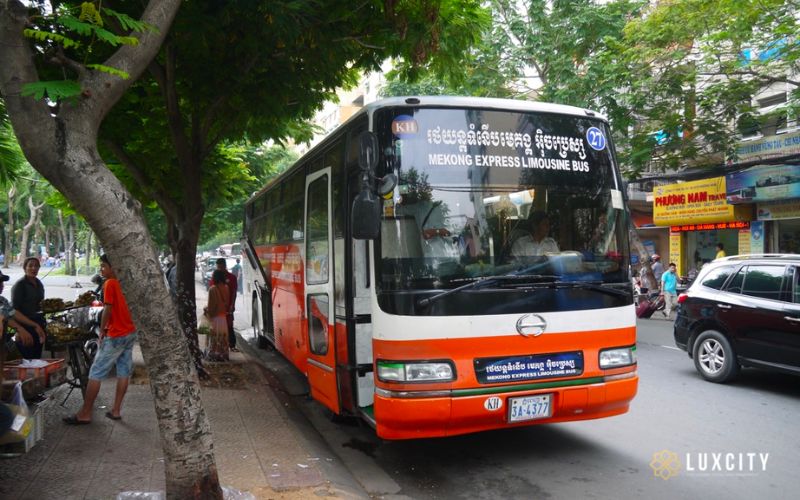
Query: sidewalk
{"points": [[261, 444]]}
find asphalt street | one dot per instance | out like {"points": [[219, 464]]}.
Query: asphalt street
{"points": [[709, 440]]}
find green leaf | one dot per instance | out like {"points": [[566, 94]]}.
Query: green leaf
{"points": [[81, 28], [55, 37], [110, 70], [107, 36], [53, 90], [129, 23], [128, 40]]}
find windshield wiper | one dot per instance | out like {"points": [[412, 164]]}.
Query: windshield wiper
{"points": [[483, 281], [589, 285]]}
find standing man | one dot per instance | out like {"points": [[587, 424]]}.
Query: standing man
{"points": [[720, 251], [231, 281], [236, 270], [669, 290], [117, 336], [658, 268]]}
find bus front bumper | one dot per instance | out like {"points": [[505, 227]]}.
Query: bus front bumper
{"points": [[424, 414]]}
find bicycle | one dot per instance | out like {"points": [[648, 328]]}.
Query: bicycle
{"points": [[81, 349]]}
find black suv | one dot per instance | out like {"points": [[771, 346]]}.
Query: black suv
{"points": [[742, 310]]}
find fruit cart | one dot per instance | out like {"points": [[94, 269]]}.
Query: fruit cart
{"points": [[68, 329]]}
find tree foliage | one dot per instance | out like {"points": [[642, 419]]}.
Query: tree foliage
{"points": [[694, 69], [676, 79], [228, 70]]}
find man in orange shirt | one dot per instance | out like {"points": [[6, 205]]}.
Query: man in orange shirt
{"points": [[117, 336]]}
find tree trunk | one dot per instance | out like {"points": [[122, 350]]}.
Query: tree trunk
{"points": [[88, 260], [24, 251], [183, 241], [73, 247], [9, 251], [63, 148], [64, 241], [47, 241]]}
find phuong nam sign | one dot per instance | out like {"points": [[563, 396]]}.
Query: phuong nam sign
{"points": [[763, 183], [693, 202]]}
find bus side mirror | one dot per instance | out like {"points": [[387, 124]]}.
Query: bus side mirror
{"points": [[366, 216]]}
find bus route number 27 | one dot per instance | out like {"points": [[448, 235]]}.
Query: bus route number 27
{"points": [[596, 139]]}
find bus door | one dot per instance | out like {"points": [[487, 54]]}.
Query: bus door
{"points": [[319, 311]]}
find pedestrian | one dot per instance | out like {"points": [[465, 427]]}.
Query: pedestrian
{"points": [[217, 313], [26, 297], [25, 338], [720, 251], [236, 270], [658, 268], [669, 290], [231, 281], [117, 336]]}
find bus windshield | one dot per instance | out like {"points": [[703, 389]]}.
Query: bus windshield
{"points": [[486, 193]]}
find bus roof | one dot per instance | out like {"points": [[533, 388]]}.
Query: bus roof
{"points": [[484, 103], [440, 102]]}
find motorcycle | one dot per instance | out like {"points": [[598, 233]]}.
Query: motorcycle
{"points": [[95, 315]]}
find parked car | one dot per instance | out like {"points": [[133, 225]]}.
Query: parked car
{"points": [[211, 264], [742, 310]]}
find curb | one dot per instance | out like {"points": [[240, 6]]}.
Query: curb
{"points": [[284, 381]]}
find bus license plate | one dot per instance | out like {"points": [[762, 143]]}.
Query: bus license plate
{"points": [[529, 408]]}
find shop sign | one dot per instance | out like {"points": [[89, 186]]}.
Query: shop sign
{"points": [[757, 237], [780, 210], [710, 226], [676, 251], [692, 202], [769, 147], [744, 242], [763, 183]]}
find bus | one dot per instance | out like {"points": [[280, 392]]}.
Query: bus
{"points": [[399, 265]]}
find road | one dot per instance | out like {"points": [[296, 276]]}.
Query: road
{"points": [[729, 430], [675, 412]]}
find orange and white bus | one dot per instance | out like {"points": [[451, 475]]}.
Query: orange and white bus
{"points": [[402, 265]]}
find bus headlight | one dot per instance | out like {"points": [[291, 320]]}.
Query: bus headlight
{"points": [[613, 358], [437, 371]]}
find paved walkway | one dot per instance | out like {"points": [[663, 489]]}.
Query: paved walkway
{"points": [[262, 444]]}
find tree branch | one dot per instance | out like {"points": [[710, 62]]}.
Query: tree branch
{"points": [[16, 69], [141, 178], [165, 78], [105, 90], [61, 59], [765, 78]]}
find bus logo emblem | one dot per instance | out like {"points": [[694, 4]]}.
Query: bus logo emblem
{"points": [[404, 126], [531, 325], [493, 403]]}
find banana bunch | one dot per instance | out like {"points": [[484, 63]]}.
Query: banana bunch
{"points": [[84, 299], [53, 305], [60, 332]]}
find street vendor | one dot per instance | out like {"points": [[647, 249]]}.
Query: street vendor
{"points": [[26, 339], [26, 297]]}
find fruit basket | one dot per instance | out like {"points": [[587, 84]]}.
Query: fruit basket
{"points": [[66, 326]]}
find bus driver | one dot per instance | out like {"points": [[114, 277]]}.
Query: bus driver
{"points": [[536, 241]]}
